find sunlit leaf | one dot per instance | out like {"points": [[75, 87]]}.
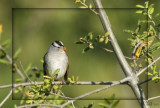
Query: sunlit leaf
{"points": [[17, 53], [140, 6], [3, 61]]}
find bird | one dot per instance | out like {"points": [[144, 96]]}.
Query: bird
{"points": [[56, 58]]}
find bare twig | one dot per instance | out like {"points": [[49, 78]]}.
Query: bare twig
{"points": [[153, 98], [62, 83], [6, 98], [25, 72], [143, 70], [14, 64], [33, 105], [89, 8], [95, 91], [146, 80], [108, 50]]}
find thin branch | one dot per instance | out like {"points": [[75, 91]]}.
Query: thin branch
{"points": [[95, 91], [25, 72], [6, 98], [5, 86], [14, 64], [153, 98], [33, 105], [108, 50], [143, 70], [144, 81], [89, 8], [62, 83], [65, 97]]}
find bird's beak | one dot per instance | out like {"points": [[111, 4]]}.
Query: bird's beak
{"points": [[64, 48]]}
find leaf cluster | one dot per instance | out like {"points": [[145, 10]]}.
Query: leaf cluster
{"points": [[92, 41]]}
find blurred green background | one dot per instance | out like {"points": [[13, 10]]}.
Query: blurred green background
{"points": [[34, 25]]}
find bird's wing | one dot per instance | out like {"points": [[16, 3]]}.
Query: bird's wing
{"points": [[45, 71], [66, 74]]}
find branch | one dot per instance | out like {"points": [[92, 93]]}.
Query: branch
{"points": [[153, 98], [88, 7], [63, 83], [13, 64], [33, 105], [107, 27], [95, 91], [6, 98], [124, 65], [143, 70]]}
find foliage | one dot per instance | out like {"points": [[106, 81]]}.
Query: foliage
{"points": [[110, 103], [92, 41], [149, 38]]}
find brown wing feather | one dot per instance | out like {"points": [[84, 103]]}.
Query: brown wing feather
{"points": [[66, 74]]}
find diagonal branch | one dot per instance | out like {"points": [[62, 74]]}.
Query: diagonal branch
{"points": [[13, 64], [6, 98], [143, 70], [124, 65], [95, 91]]}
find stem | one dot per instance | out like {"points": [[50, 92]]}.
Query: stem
{"points": [[143, 70], [6, 98], [124, 65], [62, 83]]}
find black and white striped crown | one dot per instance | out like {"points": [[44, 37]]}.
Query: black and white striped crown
{"points": [[57, 44]]}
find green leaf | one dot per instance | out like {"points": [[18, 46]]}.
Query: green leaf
{"points": [[82, 7], [128, 31], [103, 105], [91, 46], [154, 69], [90, 5], [6, 43], [139, 11], [47, 81], [108, 101], [89, 106], [36, 96], [150, 10], [146, 4], [157, 14], [106, 40], [28, 67], [154, 78], [101, 39], [90, 35], [18, 79], [29, 101], [17, 53], [84, 1], [56, 72], [115, 104], [150, 74], [85, 50], [140, 6], [3, 61], [55, 87], [106, 34], [77, 1]]}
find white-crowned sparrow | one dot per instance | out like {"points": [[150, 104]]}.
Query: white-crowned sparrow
{"points": [[56, 58]]}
